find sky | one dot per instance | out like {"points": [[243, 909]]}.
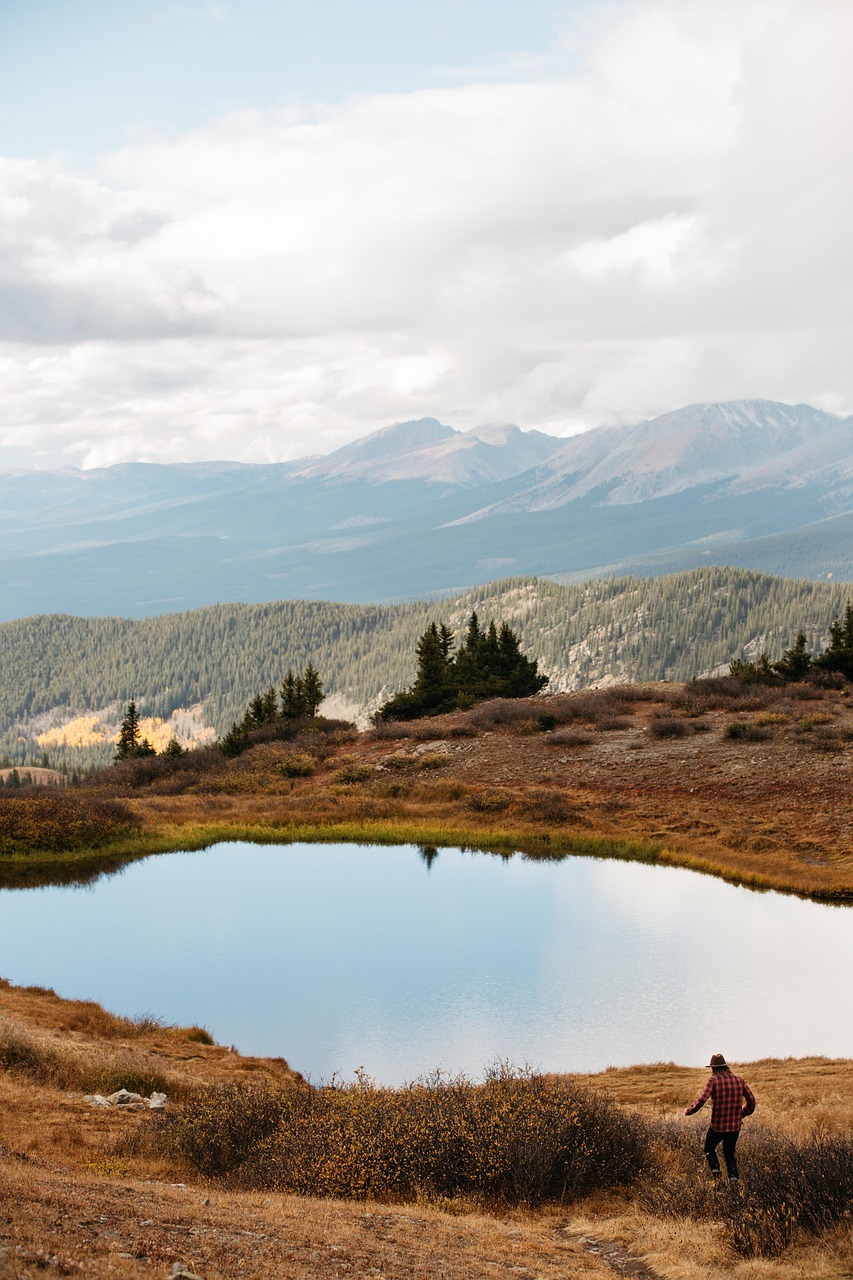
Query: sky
{"points": [[258, 230]]}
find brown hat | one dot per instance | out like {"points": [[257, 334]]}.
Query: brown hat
{"points": [[718, 1062]]}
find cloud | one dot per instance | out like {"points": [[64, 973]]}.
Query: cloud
{"points": [[659, 217]]}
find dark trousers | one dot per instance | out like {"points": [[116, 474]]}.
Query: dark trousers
{"points": [[729, 1141]]}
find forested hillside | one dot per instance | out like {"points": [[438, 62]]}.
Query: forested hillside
{"points": [[54, 669]]}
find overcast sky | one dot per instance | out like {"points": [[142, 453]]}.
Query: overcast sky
{"points": [[258, 229]]}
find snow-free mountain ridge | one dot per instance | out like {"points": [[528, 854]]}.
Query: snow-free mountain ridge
{"points": [[419, 508]]}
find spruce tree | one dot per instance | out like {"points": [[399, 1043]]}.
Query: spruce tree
{"points": [[795, 662], [292, 701], [128, 734], [312, 690]]}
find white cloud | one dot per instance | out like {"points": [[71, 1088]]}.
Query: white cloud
{"points": [[663, 221]]}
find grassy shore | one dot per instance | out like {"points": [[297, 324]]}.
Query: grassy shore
{"points": [[751, 785], [99, 1193]]}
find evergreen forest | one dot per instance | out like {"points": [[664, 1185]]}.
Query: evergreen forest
{"points": [[55, 667]]}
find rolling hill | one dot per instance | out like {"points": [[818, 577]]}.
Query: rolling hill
{"points": [[65, 680]]}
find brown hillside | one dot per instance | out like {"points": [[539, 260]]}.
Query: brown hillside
{"points": [[80, 1196]]}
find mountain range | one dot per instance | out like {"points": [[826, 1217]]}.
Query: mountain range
{"points": [[419, 509]]}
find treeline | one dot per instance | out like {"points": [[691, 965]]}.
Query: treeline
{"points": [[798, 662], [671, 628], [300, 698]]}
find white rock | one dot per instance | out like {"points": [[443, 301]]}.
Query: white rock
{"points": [[121, 1098]]}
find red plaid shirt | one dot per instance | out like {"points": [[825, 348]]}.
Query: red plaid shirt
{"points": [[726, 1091]]}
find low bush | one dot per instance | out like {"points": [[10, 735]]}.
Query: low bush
{"points": [[17, 1053], [433, 760], [546, 721], [669, 727], [545, 806], [489, 801], [218, 1128], [60, 821], [63, 1069], [298, 764], [518, 1138], [786, 1186], [745, 731], [612, 724], [353, 771], [499, 711], [199, 1035]]}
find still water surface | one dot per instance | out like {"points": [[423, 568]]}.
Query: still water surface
{"points": [[339, 956]]}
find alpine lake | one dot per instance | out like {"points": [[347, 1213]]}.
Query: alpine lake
{"points": [[400, 960]]}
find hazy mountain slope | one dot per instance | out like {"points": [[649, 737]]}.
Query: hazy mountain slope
{"points": [[426, 450], [56, 668], [419, 509], [751, 443]]}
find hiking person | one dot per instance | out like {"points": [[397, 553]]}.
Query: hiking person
{"points": [[727, 1092]]}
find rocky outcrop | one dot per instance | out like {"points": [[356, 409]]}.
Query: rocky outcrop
{"points": [[128, 1101]]}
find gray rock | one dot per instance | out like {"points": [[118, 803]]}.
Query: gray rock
{"points": [[180, 1272], [157, 1102], [121, 1098]]}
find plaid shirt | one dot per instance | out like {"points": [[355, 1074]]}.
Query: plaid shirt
{"points": [[726, 1091]]}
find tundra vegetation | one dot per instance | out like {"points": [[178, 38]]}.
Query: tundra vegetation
{"points": [[718, 774], [529, 1166]]}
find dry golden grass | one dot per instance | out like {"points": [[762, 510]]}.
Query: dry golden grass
{"points": [[83, 1193], [772, 808]]}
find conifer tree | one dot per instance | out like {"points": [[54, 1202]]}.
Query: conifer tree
{"points": [[795, 662], [128, 734], [312, 690], [292, 699]]}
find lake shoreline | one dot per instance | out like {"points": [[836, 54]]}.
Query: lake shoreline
{"points": [[79, 1185], [85, 866], [655, 772]]}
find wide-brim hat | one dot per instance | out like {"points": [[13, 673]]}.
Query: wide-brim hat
{"points": [[717, 1060]]}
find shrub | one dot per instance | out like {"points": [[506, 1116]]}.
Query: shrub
{"points": [[433, 760], [299, 764], [217, 1129], [545, 806], [499, 711], [669, 727], [518, 1138], [744, 731], [60, 820], [612, 724], [788, 1186], [353, 771], [546, 721], [73, 1070], [489, 801], [136, 1079], [17, 1053], [569, 738]]}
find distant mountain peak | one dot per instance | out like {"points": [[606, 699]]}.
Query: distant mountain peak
{"points": [[388, 442]]}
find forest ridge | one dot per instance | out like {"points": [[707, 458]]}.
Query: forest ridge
{"points": [[56, 667]]}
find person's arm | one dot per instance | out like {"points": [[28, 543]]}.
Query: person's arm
{"points": [[750, 1101], [703, 1097]]}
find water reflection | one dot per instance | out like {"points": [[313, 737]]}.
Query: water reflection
{"points": [[402, 959]]}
